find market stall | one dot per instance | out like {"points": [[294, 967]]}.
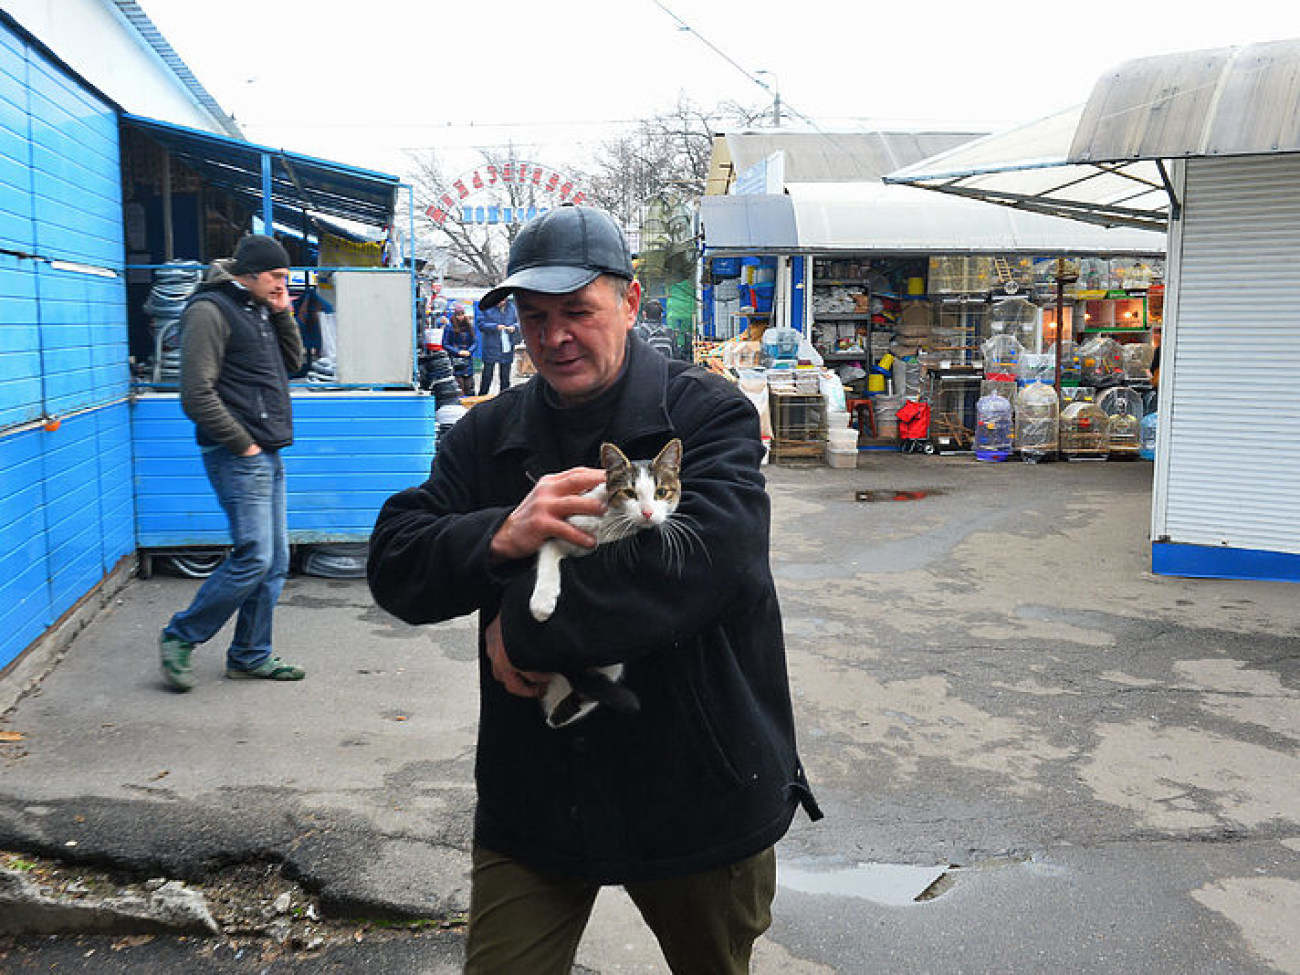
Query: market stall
{"points": [[363, 428], [1205, 143], [897, 292]]}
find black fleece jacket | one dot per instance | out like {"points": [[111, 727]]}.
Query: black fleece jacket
{"points": [[707, 773]]}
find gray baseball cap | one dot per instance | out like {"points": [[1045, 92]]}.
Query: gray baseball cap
{"points": [[561, 251]]}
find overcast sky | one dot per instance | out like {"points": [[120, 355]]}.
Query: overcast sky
{"points": [[367, 83]]}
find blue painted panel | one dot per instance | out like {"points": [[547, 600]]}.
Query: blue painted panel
{"points": [[71, 470], [66, 510], [84, 334], [66, 518], [24, 594], [1212, 562], [76, 174], [15, 146], [20, 343], [350, 454], [116, 501]]}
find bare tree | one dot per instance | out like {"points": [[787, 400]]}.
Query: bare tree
{"points": [[664, 158], [469, 253]]}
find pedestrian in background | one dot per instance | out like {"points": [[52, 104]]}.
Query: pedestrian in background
{"points": [[460, 341], [498, 327], [682, 801], [240, 344]]}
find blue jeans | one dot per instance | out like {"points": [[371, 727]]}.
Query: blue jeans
{"points": [[251, 492]]}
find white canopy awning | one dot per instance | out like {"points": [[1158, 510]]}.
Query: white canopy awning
{"points": [[871, 216]]}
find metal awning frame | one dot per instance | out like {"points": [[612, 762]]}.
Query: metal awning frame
{"points": [[280, 184], [1046, 199]]}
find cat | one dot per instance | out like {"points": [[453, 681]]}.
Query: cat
{"points": [[638, 495]]}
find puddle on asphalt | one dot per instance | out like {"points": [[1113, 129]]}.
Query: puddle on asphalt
{"points": [[894, 494], [893, 884]]}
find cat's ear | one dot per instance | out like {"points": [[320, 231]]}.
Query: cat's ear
{"points": [[611, 458], [671, 455]]}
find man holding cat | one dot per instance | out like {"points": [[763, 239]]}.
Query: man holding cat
{"points": [[681, 799]]}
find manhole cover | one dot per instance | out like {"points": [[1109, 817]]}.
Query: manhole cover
{"points": [[894, 494]]}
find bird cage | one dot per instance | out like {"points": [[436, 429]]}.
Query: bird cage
{"points": [[1071, 370], [1037, 422], [1124, 407], [993, 428], [1084, 432], [1101, 362], [1002, 355], [1036, 367], [1137, 361], [1015, 317]]}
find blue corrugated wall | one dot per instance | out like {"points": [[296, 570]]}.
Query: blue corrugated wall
{"points": [[66, 514], [350, 453]]}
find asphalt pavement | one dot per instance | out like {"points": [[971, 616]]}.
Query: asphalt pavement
{"points": [[1033, 755]]}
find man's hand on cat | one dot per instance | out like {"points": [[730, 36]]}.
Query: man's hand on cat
{"points": [[521, 683], [541, 515]]}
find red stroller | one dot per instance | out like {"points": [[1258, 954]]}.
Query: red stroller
{"points": [[914, 428]]}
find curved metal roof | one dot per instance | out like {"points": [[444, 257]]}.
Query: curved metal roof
{"points": [[1104, 162], [1230, 101]]}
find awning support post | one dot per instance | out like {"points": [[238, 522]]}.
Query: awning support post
{"points": [[268, 209]]}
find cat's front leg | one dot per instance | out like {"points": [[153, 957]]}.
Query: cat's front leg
{"points": [[546, 590]]}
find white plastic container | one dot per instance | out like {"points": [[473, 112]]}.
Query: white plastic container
{"points": [[837, 419], [846, 439], [843, 459]]}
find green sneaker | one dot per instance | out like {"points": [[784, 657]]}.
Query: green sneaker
{"points": [[272, 668], [175, 658]]}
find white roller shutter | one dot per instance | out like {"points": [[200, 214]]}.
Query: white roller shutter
{"points": [[1229, 459]]}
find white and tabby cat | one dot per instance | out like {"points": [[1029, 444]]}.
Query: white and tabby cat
{"points": [[638, 495]]}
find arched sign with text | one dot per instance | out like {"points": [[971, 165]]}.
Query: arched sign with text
{"points": [[487, 177]]}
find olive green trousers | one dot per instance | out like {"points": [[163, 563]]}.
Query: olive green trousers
{"points": [[527, 922]]}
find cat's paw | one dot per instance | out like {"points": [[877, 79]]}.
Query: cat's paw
{"points": [[542, 606]]}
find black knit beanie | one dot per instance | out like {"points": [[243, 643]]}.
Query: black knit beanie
{"points": [[257, 253]]}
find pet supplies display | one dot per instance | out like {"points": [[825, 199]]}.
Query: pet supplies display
{"points": [[1084, 432], [1037, 422], [993, 428]]}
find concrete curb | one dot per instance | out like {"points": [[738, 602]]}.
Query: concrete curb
{"points": [[161, 907]]}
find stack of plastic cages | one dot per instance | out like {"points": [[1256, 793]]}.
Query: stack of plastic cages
{"points": [[798, 424]]}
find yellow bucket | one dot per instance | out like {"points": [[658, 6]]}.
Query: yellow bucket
{"points": [[875, 383], [916, 286], [886, 361]]}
